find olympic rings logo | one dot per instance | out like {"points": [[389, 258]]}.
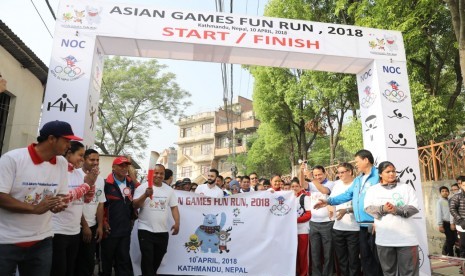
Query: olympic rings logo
{"points": [[69, 71]]}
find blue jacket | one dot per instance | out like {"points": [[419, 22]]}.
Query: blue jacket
{"points": [[356, 193]]}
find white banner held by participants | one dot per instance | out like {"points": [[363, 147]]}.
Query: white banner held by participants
{"points": [[245, 234]]}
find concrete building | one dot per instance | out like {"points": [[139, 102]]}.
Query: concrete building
{"points": [[168, 158], [20, 105], [208, 140]]}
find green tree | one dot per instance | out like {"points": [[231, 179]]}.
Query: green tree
{"points": [[432, 58], [351, 137], [134, 94], [267, 154], [457, 11]]}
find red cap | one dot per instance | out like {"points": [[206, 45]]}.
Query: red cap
{"points": [[121, 160]]}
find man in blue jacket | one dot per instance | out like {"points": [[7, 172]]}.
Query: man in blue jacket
{"points": [[369, 176]]}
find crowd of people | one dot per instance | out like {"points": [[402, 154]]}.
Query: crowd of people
{"points": [[55, 209], [450, 218]]}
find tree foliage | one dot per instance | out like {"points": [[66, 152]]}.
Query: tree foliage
{"points": [[268, 154], [134, 94], [351, 136], [432, 58]]}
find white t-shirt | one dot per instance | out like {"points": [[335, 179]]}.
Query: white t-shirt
{"points": [[393, 230], [153, 216], [29, 183], [203, 189], [322, 214], [347, 223], [90, 209], [304, 227], [68, 222]]}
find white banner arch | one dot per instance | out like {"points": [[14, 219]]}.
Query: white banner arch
{"points": [[87, 30]]}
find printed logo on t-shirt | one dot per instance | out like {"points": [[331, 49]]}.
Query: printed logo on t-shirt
{"points": [[35, 198], [157, 204]]}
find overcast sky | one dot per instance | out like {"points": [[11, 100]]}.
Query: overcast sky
{"points": [[36, 28]]}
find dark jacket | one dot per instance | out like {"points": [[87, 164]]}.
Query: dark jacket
{"points": [[119, 213]]}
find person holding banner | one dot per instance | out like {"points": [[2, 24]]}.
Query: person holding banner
{"points": [[393, 204], [303, 217], [118, 219], [153, 220], [210, 188]]}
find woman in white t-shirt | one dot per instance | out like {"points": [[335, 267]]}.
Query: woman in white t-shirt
{"points": [[393, 204], [346, 230], [66, 225]]}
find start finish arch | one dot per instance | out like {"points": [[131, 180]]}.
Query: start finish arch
{"points": [[87, 30]]}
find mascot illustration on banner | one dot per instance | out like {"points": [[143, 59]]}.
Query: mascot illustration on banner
{"points": [[207, 232], [224, 238], [193, 244]]}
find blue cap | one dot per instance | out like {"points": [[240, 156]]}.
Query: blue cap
{"points": [[58, 129]]}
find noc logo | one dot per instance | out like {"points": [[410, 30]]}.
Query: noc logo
{"points": [[394, 94], [68, 70], [280, 208], [368, 98]]}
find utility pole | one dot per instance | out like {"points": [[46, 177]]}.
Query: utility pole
{"points": [[234, 167]]}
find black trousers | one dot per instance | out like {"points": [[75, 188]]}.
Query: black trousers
{"points": [[86, 255], [153, 247], [347, 248], [451, 236], [369, 254], [65, 250], [115, 250]]}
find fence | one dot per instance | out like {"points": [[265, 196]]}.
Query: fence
{"points": [[442, 161], [438, 161]]}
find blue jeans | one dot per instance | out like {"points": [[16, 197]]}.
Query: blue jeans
{"points": [[30, 261]]}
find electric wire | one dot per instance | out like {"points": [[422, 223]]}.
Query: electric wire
{"points": [[32, 2]]}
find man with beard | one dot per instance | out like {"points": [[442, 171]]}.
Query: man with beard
{"points": [[210, 188], [34, 182], [153, 220]]}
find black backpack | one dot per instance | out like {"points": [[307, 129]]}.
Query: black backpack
{"points": [[301, 210]]}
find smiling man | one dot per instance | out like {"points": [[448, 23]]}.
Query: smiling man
{"points": [[118, 218], [210, 188], [153, 220], [32, 180]]}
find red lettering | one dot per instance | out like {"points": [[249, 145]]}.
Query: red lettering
{"points": [[193, 33], [167, 31]]}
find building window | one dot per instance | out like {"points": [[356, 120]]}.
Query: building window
{"points": [[5, 107], [186, 171], [187, 151], [223, 142], [207, 128], [205, 169], [206, 149], [186, 132]]}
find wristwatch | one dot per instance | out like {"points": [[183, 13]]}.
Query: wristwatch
{"points": [[347, 211]]}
